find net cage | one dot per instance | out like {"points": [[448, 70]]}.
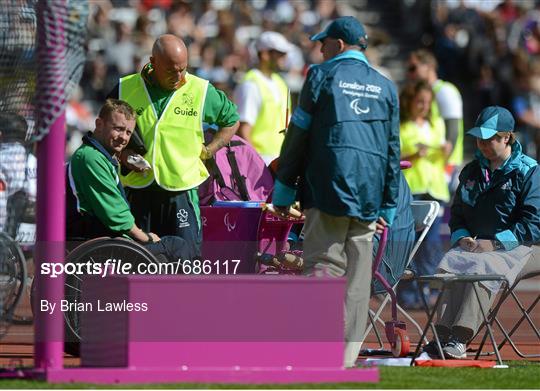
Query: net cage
{"points": [[42, 54]]}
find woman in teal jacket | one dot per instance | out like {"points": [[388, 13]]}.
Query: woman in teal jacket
{"points": [[495, 226]]}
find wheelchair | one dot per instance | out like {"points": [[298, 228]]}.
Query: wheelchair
{"points": [[95, 251], [13, 278]]}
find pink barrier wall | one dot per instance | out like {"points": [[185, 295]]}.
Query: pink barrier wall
{"points": [[215, 321]]}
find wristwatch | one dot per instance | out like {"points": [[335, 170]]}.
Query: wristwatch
{"points": [[497, 245]]}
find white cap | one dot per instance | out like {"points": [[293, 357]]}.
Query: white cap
{"points": [[270, 40]]}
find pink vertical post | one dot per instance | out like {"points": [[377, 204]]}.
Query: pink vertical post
{"points": [[48, 328], [50, 241]]}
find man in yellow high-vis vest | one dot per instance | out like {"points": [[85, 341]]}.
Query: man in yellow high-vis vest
{"points": [[263, 98], [171, 106]]}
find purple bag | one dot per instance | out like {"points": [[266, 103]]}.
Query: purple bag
{"points": [[237, 173]]}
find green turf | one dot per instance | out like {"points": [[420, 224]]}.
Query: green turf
{"points": [[520, 375]]}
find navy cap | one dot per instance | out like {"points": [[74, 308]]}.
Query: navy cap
{"points": [[491, 120], [347, 28]]}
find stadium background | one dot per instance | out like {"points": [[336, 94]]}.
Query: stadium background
{"points": [[490, 49]]}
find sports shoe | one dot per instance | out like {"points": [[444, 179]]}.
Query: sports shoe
{"points": [[455, 349], [431, 348]]}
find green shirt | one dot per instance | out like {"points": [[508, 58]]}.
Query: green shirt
{"points": [[96, 183]]}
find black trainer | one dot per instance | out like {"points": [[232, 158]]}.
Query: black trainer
{"points": [[431, 348]]}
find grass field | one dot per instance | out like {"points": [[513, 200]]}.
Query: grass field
{"points": [[520, 375]]}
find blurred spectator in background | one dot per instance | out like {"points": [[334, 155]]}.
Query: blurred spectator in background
{"points": [[18, 181], [122, 51], [97, 80], [181, 21], [78, 120], [447, 104], [3, 202], [476, 42], [100, 29], [526, 106], [263, 98], [13, 153], [423, 144]]}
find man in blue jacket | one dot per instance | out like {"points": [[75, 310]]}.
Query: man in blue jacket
{"points": [[343, 144]]}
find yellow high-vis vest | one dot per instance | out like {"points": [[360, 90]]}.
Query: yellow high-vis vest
{"points": [[272, 119], [174, 140], [456, 158], [427, 174]]}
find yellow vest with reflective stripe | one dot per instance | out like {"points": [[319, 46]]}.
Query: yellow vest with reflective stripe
{"points": [[272, 119], [427, 174], [456, 158], [174, 140]]}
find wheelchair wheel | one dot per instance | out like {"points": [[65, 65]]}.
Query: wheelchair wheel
{"points": [[12, 280], [96, 251]]}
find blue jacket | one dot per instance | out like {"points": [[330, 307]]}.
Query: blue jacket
{"points": [[502, 205], [343, 142]]}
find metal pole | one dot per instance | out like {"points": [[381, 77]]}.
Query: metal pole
{"points": [[49, 328], [50, 219]]}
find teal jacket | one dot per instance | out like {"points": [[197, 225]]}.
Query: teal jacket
{"points": [[502, 205], [343, 142]]}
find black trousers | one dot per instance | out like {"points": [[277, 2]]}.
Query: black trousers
{"points": [[172, 249], [168, 213]]}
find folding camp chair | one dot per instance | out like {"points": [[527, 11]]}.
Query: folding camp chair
{"points": [[530, 270], [424, 214]]}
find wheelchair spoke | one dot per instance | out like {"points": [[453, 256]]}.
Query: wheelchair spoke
{"points": [[77, 277], [72, 287]]}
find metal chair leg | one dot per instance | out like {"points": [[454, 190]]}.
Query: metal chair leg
{"points": [[508, 335], [429, 324], [375, 329], [488, 326]]}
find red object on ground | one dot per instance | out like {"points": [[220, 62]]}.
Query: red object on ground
{"points": [[402, 343], [455, 363]]}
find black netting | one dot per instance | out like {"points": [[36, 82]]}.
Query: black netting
{"points": [[41, 61], [18, 58], [61, 37], [42, 55]]}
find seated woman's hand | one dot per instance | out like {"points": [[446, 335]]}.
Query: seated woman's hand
{"points": [[467, 243], [483, 245]]}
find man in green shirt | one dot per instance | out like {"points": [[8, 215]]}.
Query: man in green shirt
{"points": [[96, 202], [171, 105]]}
